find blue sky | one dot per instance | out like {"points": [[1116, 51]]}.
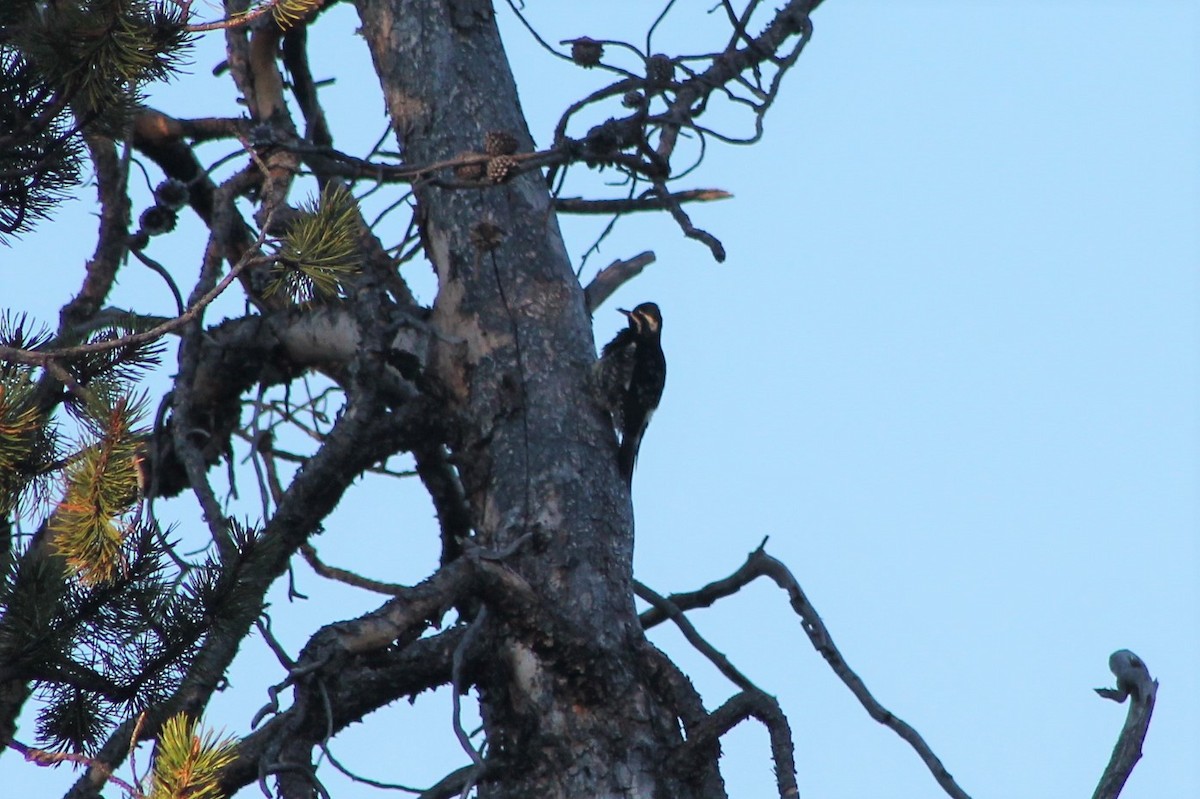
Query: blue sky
{"points": [[950, 367]]}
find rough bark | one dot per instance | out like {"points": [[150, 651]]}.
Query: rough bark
{"points": [[570, 714]]}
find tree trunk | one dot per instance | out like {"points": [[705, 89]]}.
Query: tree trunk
{"points": [[566, 686]]}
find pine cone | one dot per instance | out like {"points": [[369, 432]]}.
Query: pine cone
{"points": [[156, 220], [660, 69], [586, 52], [501, 168], [499, 142], [171, 194]]}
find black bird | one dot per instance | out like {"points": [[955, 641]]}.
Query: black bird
{"points": [[632, 372]]}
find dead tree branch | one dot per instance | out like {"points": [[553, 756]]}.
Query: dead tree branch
{"points": [[1134, 681], [42, 357], [612, 277], [582, 205], [760, 564], [739, 708], [345, 576], [355, 690], [685, 223], [695, 639], [44, 758]]}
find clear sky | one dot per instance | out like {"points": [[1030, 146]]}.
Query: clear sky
{"points": [[950, 367]]}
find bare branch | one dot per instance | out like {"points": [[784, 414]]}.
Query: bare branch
{"points": [[706, 596], [751, 702], [1133, 680], [685, 223], [694, 638], [232, 21], [669, 682], [43, 357], [823, 642], [191, 448], [580, 205], [458, 688], [445, 489], [347, 577], [113, 234], [391, 786], [295, 58], [760, 564], [691, 98], [766, 709], [42, 757], [612, 277], [162, 272], [452, 784]]}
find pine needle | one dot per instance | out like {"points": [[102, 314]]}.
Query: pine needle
{"points": [[188, 761]]}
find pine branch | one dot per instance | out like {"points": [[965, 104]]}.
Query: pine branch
{"points": [[319, 251], [188, 761], [101, 484]]}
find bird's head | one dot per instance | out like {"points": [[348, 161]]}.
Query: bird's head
{"points": [[645, 319]]}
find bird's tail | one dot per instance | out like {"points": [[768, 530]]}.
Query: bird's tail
{"points": [[627, 457]]}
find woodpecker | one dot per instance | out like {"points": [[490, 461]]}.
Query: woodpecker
{"points": [[632, 372]]}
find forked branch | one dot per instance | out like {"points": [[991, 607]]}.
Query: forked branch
{"points": [[752, 701], [739, 708], [760, 564]]}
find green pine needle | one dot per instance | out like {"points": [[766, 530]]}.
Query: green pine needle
{"points": [[288, 12], [28, 444], [320, 250], [188, 762], [20, 422], [100, 53], [41, 159], [71, 721], [100, 485]]}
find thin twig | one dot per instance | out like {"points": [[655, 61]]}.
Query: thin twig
{"points": [[694, 638], [348, 577], [760, 564], [235, 21], [388, 786], [456, 690], [818, 634], [581, 205], [685, 223], [134, 737], [165, 275], [40, 757], [42, 358], [264, 629], [452, 784]]}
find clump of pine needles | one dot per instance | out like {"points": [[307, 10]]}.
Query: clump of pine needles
{"points": [[320, 250]]}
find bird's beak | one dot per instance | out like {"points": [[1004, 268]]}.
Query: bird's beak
{"points": [[627, 313]]}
